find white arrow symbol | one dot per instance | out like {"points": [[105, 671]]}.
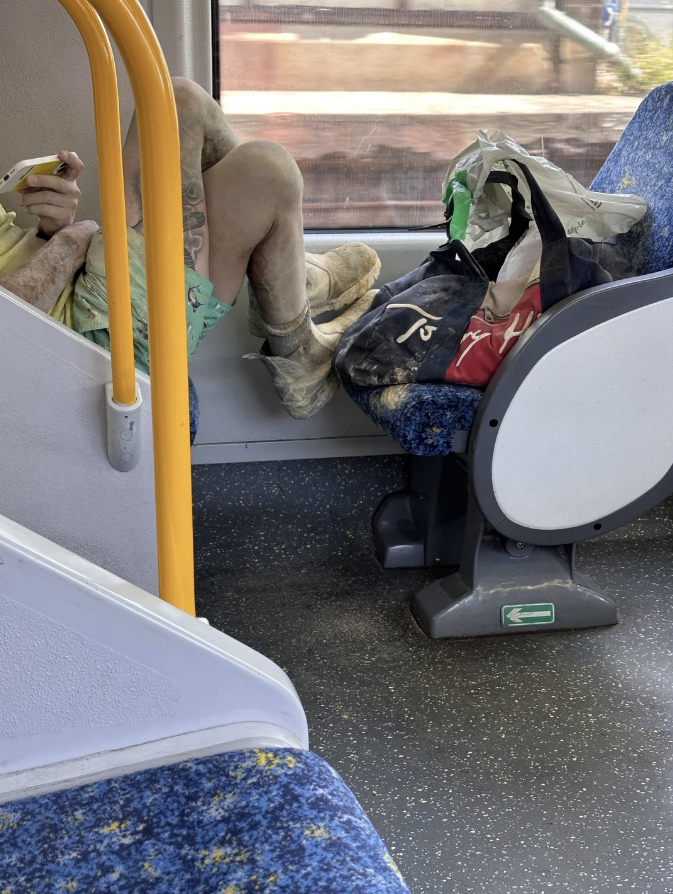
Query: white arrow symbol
{"points": [[516, 616]]}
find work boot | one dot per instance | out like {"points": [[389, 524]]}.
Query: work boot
{"points": [[333, 281], [303, 379]]}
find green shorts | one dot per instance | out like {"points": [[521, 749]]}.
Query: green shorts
{"points": [[90, 308]]}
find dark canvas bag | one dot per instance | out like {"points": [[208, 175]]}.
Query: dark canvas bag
{"points": [[416, 326]]}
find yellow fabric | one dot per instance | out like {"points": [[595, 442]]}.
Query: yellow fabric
{"points": [[63, 309], [16, 247]]}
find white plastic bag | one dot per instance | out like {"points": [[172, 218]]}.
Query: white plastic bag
{"points": [[590, 215], [524, 257]]}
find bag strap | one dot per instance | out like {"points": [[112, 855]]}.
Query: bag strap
{"points": [[547, 220], [555, 272], [520, 219], [556, 280], [472, 268]]}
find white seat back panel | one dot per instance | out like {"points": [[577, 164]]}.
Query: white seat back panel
{"points": [[591, 427], [91, 664]]}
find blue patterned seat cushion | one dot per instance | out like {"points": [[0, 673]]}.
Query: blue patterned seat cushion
{"points": [[264, 821], [423, 419], [194, 411], [642, 163]]}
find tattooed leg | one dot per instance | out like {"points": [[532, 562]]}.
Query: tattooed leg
{"points": [[195, 226], [242, 212], [205, 138], [241, 207]]}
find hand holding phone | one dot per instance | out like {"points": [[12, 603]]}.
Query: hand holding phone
{"points": [[16, 178], [51, 194]]}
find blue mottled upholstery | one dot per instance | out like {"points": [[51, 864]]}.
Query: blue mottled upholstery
{"points": [[264, 821], [642, 163], [194, 411], [421, 418], [424, 418]]}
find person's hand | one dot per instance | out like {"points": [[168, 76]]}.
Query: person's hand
{"points": [[78, 236], [54, 199]]}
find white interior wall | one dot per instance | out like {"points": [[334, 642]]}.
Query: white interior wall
{"points": [[55, 477], [184, 31], [46, 103]]}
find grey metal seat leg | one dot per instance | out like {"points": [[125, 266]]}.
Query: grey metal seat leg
{"points": [[503, 586], [424, 525]]}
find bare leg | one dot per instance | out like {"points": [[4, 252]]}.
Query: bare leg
{"points": [[241, 206], [205, 138], [242, 213], [254, 201], [254, 197]]}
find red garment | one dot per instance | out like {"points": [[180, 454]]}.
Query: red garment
{"points": [[488, 340]]}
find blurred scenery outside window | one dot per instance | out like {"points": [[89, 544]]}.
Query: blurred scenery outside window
{"points": [[374, 97]]}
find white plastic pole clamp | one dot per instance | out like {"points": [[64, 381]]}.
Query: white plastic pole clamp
{"points": [[124, 431]]}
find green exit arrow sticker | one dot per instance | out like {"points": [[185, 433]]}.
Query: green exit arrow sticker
{"points": [[528, 613]]}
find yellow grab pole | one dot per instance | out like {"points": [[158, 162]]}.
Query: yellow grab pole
{"points": [[162, 216], [108, 135]]}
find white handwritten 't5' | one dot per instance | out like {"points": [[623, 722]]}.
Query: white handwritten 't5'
{"points": [[425, 331]]}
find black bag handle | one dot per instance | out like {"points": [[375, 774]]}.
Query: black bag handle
{"points": [[556, 280], [519, 217], [547, 220], [556, 276]]}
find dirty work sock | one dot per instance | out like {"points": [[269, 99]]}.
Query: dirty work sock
{"points": [[285, 338]]}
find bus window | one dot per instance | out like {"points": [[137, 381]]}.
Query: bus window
{"points": [[373, 98]]}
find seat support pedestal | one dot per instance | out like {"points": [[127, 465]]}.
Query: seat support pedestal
{"points": [[506, 587], [424, 526]]}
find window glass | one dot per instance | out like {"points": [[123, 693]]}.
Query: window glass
{"points": [[374, 97]]}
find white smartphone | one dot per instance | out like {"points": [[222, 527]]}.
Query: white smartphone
{"points": [[16, 177]]}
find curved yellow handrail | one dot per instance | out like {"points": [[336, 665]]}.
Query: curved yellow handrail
{"points": [[162, 216], [108, 136]]}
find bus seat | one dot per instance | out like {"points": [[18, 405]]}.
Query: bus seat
{"points": [[260, 819], [427, 420], [144, 750], [642, 163], [570, 440], [194, 411]]}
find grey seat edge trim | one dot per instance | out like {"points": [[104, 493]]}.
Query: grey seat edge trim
{"points": [[92, 768], [564, 321]]}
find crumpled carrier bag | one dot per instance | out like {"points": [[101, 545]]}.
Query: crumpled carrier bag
{"points": [[481, 209], [451, 320]]}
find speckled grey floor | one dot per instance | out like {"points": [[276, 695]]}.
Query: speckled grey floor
{"points": [[519, 764]]}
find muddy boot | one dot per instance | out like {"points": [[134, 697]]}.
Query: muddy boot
{"points": [[338, 278], [303, 378], [333, 281]]}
